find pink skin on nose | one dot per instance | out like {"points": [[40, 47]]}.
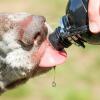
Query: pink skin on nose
{"points": [[51, 57]]}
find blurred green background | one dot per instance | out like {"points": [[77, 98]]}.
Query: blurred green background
{"points": [[77, 79]]}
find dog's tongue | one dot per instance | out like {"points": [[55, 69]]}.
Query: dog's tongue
{"points": [[51, 57]]}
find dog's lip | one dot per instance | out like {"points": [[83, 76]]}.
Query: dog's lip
{"points": [[51, 57]]}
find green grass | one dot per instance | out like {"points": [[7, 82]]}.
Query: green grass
{"points": [[77, 79]]}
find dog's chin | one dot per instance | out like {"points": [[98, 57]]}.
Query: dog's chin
{"points": [[40, 70], [36, 72]]}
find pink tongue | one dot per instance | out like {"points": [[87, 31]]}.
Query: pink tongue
{"points": [[51, 57]]}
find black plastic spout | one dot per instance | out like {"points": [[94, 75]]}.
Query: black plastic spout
{"points": [[58, 37], [57, 41], [62, 37]]}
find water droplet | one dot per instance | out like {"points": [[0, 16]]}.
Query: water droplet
{"points": [[53, 84]]}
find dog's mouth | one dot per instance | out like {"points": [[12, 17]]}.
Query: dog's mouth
{"points": [[51, 57]]}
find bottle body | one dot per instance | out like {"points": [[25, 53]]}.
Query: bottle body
{"points": [[77, 12]]}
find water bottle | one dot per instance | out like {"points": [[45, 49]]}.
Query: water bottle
{"points": [[74, 27]]}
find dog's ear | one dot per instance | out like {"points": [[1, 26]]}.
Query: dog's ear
{"points": [[33, 30]]}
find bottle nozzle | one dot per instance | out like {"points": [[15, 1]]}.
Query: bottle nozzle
{"points": [[65, 35]]}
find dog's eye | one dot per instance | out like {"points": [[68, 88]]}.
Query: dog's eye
{"points": [[26, 47]]}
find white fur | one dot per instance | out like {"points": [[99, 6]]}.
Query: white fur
{"points": [[20, 58], [15, 16], [18, 61]]}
